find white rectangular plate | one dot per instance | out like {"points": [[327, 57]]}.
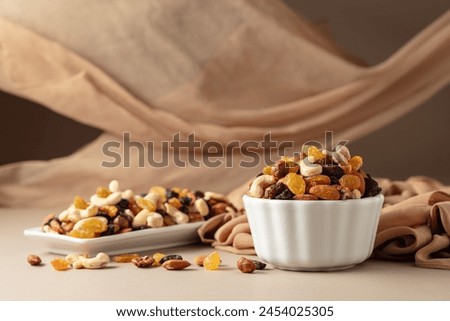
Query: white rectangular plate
{"points": [[135, 241]]}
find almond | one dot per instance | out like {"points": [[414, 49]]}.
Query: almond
{"points": [[176, 264]]}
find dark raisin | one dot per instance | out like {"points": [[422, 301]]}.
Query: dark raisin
{"points": [[199, 194], [334, 180], [184, 209], [160, 211], [112, 228], [170, 194], [123, 203], [128, 217], [185, 200], [274, 190], [280, 169], [259, 265], [105, 215], [168, 220], [372, 188], [332, 171], [285, 195], [170, 257]]}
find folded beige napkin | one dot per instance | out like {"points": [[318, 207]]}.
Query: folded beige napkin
{"points": [[414, 224], [229, 232]]}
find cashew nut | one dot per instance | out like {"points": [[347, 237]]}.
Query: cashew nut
{"points": [[97, 262], [309, 169], [127, 194], [153, 197], [341, 155], [155, 220], [90, 211], [114, 186], [65, 216], [201, 206], [259, 184], [129, 212], [356, 194], [76, 260], [112, 199], [215, 196], [178, 216], [141, 218]]}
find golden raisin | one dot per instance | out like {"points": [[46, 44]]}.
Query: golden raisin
{"points": [[93, 224], [125, 258], [161, 191], [293, 167], [350, 181], [60, 264], [212, 261], [146, 204], [82, 234], [176, 190], [314, 152], [102, 192], [175, 202], [317, 180], [346, 167], [267, 170], [295, 183], [184, 192], [362, 185], [356, 162], [325, 192], [80, 203], [157, 257], [111, 210]]}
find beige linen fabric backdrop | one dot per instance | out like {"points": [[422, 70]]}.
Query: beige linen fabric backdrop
{"points": [[226, 70]]}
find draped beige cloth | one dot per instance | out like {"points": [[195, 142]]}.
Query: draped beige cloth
{"points": [[224, 70]]}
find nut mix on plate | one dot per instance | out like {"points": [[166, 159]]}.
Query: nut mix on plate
{"points": [[315, 175], [112, 211]]}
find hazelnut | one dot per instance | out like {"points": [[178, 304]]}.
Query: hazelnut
{"points": [[34, 260], [246, 265]]}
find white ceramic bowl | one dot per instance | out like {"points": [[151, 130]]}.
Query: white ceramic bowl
{"points": [[313, 235]]}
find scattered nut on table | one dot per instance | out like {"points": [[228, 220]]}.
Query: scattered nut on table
{"points": [[175, 264], [199, 259], [34, 260], [245, 265], [143, 262]]}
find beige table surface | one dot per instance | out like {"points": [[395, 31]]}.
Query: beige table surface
{"points": [[371, 280]]}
